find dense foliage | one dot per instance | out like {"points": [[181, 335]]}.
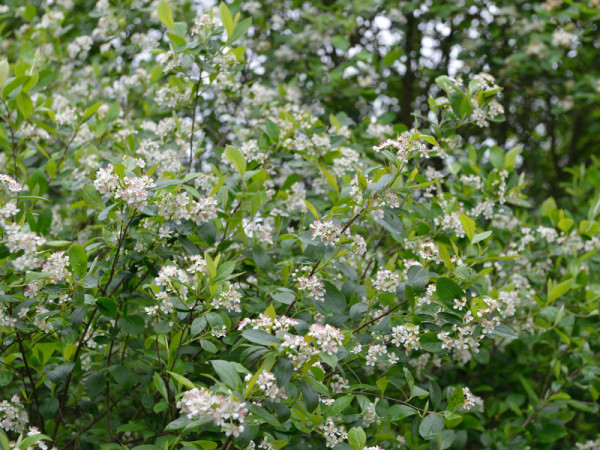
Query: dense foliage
{"points": [[299, 224]]}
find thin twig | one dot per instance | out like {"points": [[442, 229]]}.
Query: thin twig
{"points": [[95, 421], [63, 399], [64, 155], [546, 396], [187, 324], [395, 400], [226, 443], [312, 272], [112, 342], [379, 317], [30, 376], [194, 123], [13, 143]]}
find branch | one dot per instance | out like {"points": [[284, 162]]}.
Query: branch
{"points": [[312, 272], [63, 398], [194, 123], [95, 421], [379, 316], [30, 376]]}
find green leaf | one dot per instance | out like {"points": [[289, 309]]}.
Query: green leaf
{"points": [[198, 325], [312, 209], [551, 433], [448, 291], [510, 158], [78, 260], [4, 70], [208, 346], [357, 438], [398, 412], [179, 423], [160, 386], [272, 131], [260, 337], [331, 360], [51, 168], [228, 374], [382, 384], [31, 440], [122, 375], [548, 206], [240, 30], [226, 18], [340, 42], [339, 405], [24, 104], [565, 224], [410, 380], [237, 158], [481, 236], [165, 14], [504, 331], [106, 211], [461, 105], [95, 384], [311, 396], [91, 197], [91, 111], [133, 324], [558, 290], [113, 112], [468, 225], [6, 445], [529, 390], [594, 210], [431, 343], [107, 306], [457, 398], [431, 426], [182, 380], [60, 373], [330, 179], [263, 414]]}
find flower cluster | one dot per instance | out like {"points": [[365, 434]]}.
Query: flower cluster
{"points": [[132, 190], [13, 416], [328, 231], [312, 285], [7, 182], [267, 323], [406, 146], [327, 336], [267, 383], [228, 299], [56, 266], [225, 411], [386, 281], [333, 433], [407, 336]]}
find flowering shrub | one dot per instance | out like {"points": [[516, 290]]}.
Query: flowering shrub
{"points": [[195, 257]]}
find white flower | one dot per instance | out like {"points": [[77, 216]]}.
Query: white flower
{"points": [[9, 183], [327, 336], [328, 231], [204, 210], [13, 416], [225, 411], [406, 335], [229, 299], [386, 281], [56, 266]]}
